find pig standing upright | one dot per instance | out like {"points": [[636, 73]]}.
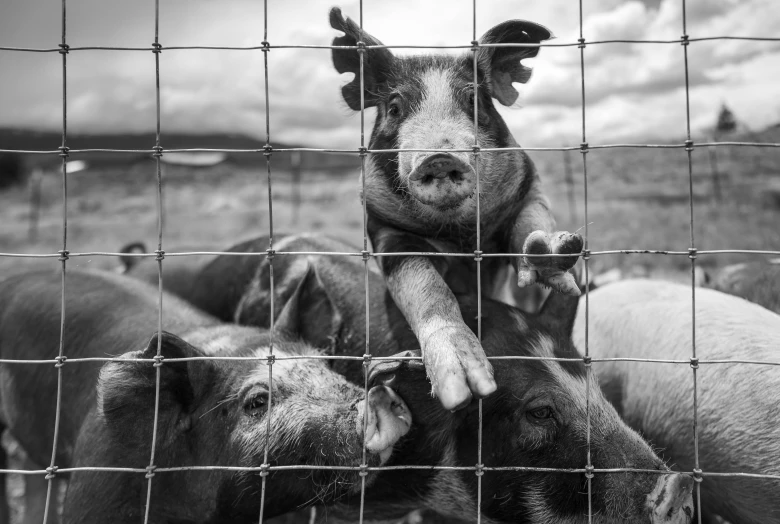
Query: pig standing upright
{"points": [[425, 201], [536, 418], [211, 413], [738, 404]]}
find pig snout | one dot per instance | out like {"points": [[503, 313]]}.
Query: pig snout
{"points": [[387, 420], [671, 501], [442, 180]]}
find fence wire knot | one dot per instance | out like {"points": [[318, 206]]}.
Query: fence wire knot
{"points": [[362, 151], [156, 47], [695, 362], [64, 151], [266, 46], [363, 470], [267, 150], [698, 476], [582, 43], [475, 45], [361, 46], [587, 360], [478, 255], [150, 471], [270, 253], [64, 255], [366, 359], [479, 470], [589, 471], [51, 472], [475, 149], [158, 151], [160, 254], [60, 361], [692, 253], [271, 359], [586, 254], [365, 255], [584, 148], [64, 49], [684, 40], [264, 470], [689, 145], [158, 360]]}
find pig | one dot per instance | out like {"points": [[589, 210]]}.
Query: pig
{"points": [[758, 282], [535, 419], [211, 413], [738, 414], [422, 202]]}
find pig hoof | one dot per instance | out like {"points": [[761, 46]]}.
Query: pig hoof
{"points": [[564, 283], [563, 243], [526, 277]]}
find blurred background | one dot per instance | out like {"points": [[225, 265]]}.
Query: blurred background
{"points": [[638, 198]]}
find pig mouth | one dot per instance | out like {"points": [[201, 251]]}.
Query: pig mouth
{"points": [[387, 419], [442, 181]]}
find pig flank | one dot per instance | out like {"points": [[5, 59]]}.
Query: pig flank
{"points": [[328, 297], [316, 419], [738, 429]]}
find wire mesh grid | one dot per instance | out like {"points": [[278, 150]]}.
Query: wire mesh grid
{"points": [[267, 150]]}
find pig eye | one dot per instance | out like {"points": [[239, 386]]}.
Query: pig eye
{"points": [[471, 99], [256, 405], [541, 413], [394, 109]]}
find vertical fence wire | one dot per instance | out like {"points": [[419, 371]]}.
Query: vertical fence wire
{"points": [[367, 355], [478, 252], [51, 471], [270, 257], [587, 360], [692, 255], [156, 48]]}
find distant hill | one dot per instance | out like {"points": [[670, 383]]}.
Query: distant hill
{"points": [[31, 140]]}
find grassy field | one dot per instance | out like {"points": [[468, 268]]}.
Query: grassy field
{"points": [[637, 199]]}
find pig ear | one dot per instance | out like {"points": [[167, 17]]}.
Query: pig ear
{"points": [[558, 313], [129, 263], [504, 62], [309, 312], [384, 372], [127, 389], [376, 62]]}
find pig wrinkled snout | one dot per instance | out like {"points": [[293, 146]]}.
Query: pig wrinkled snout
{"points": [[442, 180], [671, 501], [387, 420]]}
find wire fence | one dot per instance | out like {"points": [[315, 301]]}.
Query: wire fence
{"points": [[267, 150]]}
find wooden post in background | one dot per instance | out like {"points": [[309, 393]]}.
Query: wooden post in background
{"points": [[36, 178], [295, 168], [569, 179]]}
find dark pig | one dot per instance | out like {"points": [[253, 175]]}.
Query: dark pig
{"points": [[211, 413], [536, 418], [421, 202], [738, 413]]}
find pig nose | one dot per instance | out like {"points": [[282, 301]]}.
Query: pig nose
{"points": [[442, 180], [387, 420], [671, 500]]}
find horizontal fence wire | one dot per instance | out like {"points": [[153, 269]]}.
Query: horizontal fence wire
{"points": [[267, 150]]}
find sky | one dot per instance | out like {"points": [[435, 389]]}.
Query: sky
{"points": [[634, 92]]}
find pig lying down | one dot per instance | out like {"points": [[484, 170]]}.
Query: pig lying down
{"points": [[425, 202], [739, 414], [757, 282], [211, 413], [536, 418]]}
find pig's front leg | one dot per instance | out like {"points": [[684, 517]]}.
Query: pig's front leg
{"points": [[534, 233], [453, 357]]}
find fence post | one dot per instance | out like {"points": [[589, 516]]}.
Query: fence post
{"points": [[715, 172], [569, 180], [295, 166], [35, 203]]}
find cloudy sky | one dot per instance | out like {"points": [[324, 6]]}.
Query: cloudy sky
{"points": [[634, 92]]}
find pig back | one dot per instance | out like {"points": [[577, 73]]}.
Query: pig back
{"points": [[105, 315], [738, 414]]}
